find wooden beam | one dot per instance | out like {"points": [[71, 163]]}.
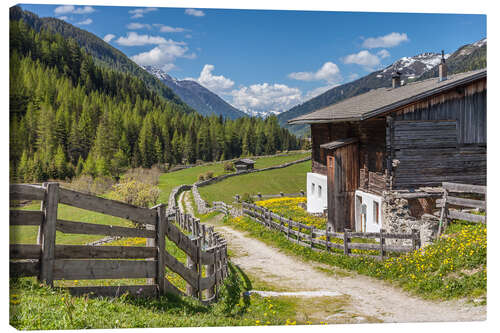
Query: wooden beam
{"points": [[464, 188], [81, 269], [104, 252], [24, 268], [25, 251], [106, 206], [48, 232], [25, 217], [26, 192], [70, 227]]}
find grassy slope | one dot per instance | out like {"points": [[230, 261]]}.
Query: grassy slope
{"points": [[288, 180], [188, 176]]}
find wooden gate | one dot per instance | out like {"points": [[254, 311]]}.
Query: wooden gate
{"points": [[343, 180]]}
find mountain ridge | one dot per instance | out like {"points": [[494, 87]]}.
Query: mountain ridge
{"points": [[196, 96], [421, 66]]}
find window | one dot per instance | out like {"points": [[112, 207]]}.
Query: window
{"points": [[312, 188], [319, 191], [375, 212]]}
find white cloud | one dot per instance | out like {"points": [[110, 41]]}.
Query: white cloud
{"points": [[363, 58], [108, 38], [389, 40], [328, 72], [166, 28], [139, 12], [216, 83], [65, 18], [85, 22], [194, 12], [266, 98], [135, 26], [163, 55], [134, 39], [168, 67], [70, 9], [383, 53]]}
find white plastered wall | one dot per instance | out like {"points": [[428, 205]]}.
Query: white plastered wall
{"points": [[317, 193], [366, 211]]}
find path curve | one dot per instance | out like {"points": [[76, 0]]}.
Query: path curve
{"points": [[368, 297]]}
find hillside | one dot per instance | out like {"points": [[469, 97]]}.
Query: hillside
{"points": [[71, 116], [196, 96], [422, 66], [102, 52]]}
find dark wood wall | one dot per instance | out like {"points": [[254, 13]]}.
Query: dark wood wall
{"points": [[442, 138], [466, 105], [371, 135]]}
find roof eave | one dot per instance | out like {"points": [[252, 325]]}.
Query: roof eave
{"points": [[322, 120]]}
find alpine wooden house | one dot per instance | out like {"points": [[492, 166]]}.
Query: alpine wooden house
{"points": [[400, 138]]}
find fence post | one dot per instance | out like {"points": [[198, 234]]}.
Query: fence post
{"points": [[47, 233], [288, 230], [347, 238], [282, 194], [298, 234], [160, 243], [237, 198], [311, 236], [327, 241], [382, 243], [302, 192], [416, 239]]}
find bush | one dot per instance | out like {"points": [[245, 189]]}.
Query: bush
{"points": [[143, 175], [205, 176], [247, 198], [87, 184], [136, 193], [229, 166], [201, 177]]}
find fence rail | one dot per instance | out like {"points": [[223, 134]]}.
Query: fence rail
{"points": [[309, 236], [454, 200], [50, 261], [259, 196]]}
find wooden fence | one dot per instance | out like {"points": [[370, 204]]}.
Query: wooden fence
{"points": [[50, 261], [449, 200], [222, 207], [259, 196], [310, 237]]}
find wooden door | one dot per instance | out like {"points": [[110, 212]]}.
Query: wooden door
{"points": [[343, 180]]}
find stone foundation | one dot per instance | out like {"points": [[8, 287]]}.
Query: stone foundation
{"points": [[398, 218]]}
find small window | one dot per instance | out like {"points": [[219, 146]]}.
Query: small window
{"points": [[312, 188], [319, 191], [375, 212]]}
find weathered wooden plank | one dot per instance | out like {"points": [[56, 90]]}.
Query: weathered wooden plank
{"points": [[376, 247], [464, 188], [160, 247], [70, 269], [25, 251], [71, 227], [26, 192], [176, 266], [24, 268], [48, 232], [104, 252], [107, 206], [466, 202], [455, 214], [377, 235], [115, 291], [25, 217]]}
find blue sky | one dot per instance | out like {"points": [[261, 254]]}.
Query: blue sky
{"points": [[268, 60]]}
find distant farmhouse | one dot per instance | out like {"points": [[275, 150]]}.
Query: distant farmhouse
{"points": [[244, 164], [401, 138]]}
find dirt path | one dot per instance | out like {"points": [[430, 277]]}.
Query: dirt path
{"points": [[184, 198], [361, 299]]}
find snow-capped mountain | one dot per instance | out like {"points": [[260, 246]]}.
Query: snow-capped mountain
{"points": [[422, 66], [413, 67], [196, 96]]}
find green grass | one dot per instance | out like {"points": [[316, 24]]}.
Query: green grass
{"points": [[453, 267], [288, 180], [34, 306], [170, 180], [28, 234]]}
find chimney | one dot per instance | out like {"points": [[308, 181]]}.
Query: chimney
{"points": [[396, 80], [443, 70]]}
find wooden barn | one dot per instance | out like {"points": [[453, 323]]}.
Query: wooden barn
{"points": [[244, 164], [399, 138]]}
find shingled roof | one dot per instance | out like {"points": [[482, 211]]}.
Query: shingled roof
{"points": [[381, 100]]}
